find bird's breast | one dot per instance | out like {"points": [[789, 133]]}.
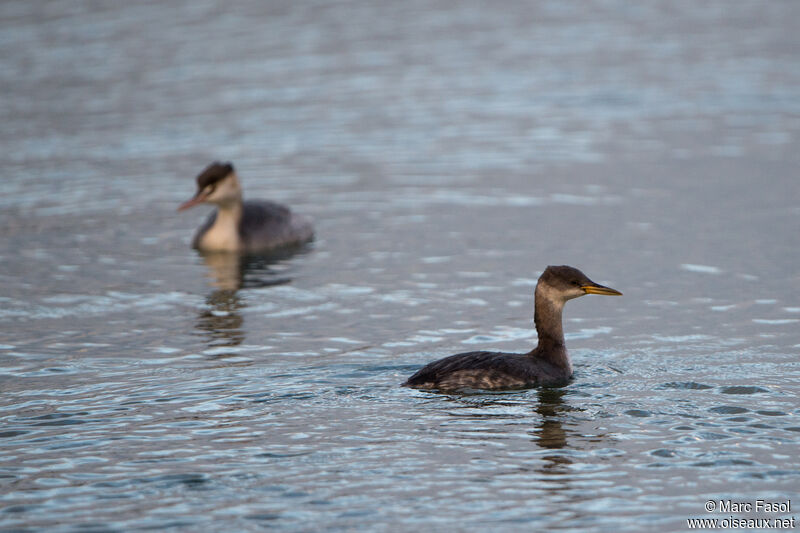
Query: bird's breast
{"points": [[220, 237]]}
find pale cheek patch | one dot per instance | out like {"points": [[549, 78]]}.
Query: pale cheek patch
{"points": [[551, 295]]}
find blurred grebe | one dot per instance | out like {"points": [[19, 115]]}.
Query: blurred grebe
{"points": [[547, 364], [239, 226]]}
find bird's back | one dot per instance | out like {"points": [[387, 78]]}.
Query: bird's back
{"points": [[265, 226], [487, 370], [271, 225]]}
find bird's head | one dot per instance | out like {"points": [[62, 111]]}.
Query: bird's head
{"points": [[217, 184], [562, 283]]}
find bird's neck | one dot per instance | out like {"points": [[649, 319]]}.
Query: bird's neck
{"points": [[224, 235], [230, 212], [547, 317]]}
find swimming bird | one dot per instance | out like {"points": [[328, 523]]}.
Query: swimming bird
{"points": [[242, 226], [547, 364]]}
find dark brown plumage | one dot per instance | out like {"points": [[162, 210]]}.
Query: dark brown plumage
{"points": [[213, 173], [547, 364]]}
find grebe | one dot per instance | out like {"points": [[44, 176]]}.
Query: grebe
{"points": [[239, 226], [547, 364]]}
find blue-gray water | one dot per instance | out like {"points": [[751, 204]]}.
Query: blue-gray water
{"points": [[448, 152]]}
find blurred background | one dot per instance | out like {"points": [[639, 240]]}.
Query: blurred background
{"points": [[447, 153]]}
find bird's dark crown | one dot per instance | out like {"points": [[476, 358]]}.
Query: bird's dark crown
{"points": [[213, 173], [564, 275]]}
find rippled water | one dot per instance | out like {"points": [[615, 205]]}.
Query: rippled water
{"points": [[448, 153]]}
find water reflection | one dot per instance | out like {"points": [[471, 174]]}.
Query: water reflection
{"points": [[224, 270], [221, 321], [549, 432], [547, 429]]}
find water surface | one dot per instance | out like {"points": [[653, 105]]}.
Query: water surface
{"points": [[448, 154]]}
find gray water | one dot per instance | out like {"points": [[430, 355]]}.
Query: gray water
{"points": [[448, 152]]}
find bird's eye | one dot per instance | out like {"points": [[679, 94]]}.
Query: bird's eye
{"points": [[576, 283]]}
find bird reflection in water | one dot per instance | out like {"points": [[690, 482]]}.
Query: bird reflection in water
{"points": [[549, 432], [553, 428], [221, 321]]}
